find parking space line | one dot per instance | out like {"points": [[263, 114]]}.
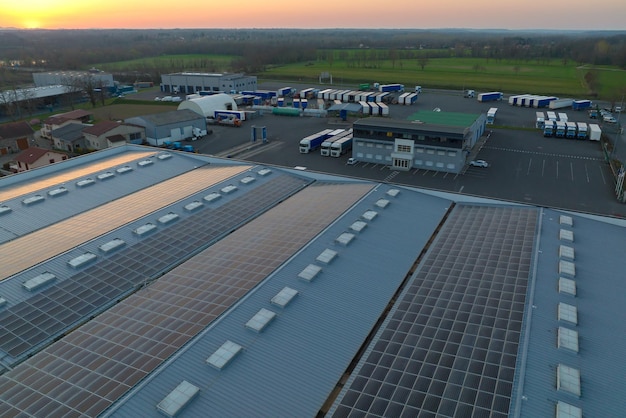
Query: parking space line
{"points": [[587, 173], [543, 167], [530, 162], [425, 172], [571, 169], [602, 174], [557, 169]]}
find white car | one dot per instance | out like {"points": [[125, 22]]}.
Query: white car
{"points": [[610, 119], [351, 161], [479, 163]]}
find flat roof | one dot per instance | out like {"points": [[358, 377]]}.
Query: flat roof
{"points": [[445, 118]]}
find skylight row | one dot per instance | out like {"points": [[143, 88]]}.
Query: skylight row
{"points": [[567, 338], [82, 260], [38, 281], [568, 313], [178, 398], [565, 410], [568, 379], [260, 320], [223, 355]]}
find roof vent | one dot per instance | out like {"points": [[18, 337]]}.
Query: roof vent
{"points": [[86, 182], [566, 220], [38, 281], [259, 321], [283, 297], [211, 197], [567, 286], [167, 218], [567, 338], [81, 260], [568, 313], [58, 191], [568, 379], [264, 172], [112, 245], [124, 169], [223, 355], [566, 252], [358, 226], [566, 235], [382, 203], [177, 399], [369, 215], [247, 180], [4, 209], [345, 238], [33, 199], [145, 229], [195, 205], [145, 163], [105, 176], [327, 256], [310, 272], [229, 189]]}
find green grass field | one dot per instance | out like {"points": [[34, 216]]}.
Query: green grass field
{"points": [[191, 62], [551, 78]]}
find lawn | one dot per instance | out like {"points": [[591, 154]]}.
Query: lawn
{"points": [[190, 62]]}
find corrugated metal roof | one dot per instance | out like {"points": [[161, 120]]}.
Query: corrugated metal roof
{"points": [[166, 118], [599, 299], [290, 368]]}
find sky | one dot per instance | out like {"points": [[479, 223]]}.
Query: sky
{"points": [[311, 14]]}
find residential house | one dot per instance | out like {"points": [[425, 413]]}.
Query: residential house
{"points": [[35, 157], [109, 134], [15, 136], [70, 137], [57, 121]]}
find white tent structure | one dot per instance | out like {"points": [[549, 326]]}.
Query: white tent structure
{"points": [[207, 105]]}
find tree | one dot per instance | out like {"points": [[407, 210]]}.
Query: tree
{"points": [[422, 62]]}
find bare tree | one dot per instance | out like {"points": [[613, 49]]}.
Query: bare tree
{"points": [[422, 62]]}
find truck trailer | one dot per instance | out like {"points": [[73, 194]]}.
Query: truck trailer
{"points": [[410, 99], [388, 88], [338, 148], [491, 115], [540, 120], [336, 135], [314, 141], [582, 130], [285, 91], [513, 100], [594, 132], [560, 103], [581, 104], [490, 97]]}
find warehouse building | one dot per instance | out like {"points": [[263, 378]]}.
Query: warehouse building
{"points": [[207, 105], [186, 285], [188, 83], [176, 125], [69, 78], [438, 141]]}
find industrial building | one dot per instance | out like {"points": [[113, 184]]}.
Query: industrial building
{"points": [[188, 83], [144, 282], [207, 105], [52, 78], [176, 125], [438, 141]]}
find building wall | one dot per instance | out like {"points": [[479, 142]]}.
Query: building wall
{"points": [[156, 135], [447, 152], [127, 131], [188, 83], [67, 77], [49, 158]]}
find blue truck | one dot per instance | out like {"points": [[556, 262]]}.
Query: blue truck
{"points": [[491, 96], [549, 128], [388, 88], [313, 142], [560, 129]]}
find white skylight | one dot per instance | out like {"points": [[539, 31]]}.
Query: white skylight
{"points": [[196, 204], [565, 410], [566, 252], [86, 182], [264, 172], [568, 338], [124, 169], [345, 238], [566, 220], [224, 355], [164, 156], [326, 256], [566, 235], [393, 192], [283, 297], [106, 175], [211, 197], [38, 281], [81, 260], [310, 272], [568, 379], [247, 180], [229, 189], [382, 203], [145, 229], [369, 215], [178, 398], [567, 267], [260, 320], [567, 286], [167, 218], [358, 226], [144, 163], [33, 199], [112, 245], [4, 209], [568, 313], [57, 192]]}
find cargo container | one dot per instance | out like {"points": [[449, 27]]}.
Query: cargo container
{"points": [[582, 130], [525, 101], [402, 97], [307, 93], [594, 132], [563, 117], [314, 141], [388, 88], [336, 135], [381, 97], [514, 99], [374, 108], [560, 103], [540, 120], [561, 128], [543, 101], [323, 94], [491, 115], [490, 97], [570, 130], [549, 128], [285, 111], [551, 116], [338, 148], [383, 109], [411, 99], [296, 103], [285, 91], [581, 104], [365, 107]]}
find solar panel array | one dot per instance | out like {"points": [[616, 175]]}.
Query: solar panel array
{"points": [[26, 251], [450, 344], [86, 371], [30, 323]]}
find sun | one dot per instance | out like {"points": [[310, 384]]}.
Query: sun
{"points": [[31, 24]]}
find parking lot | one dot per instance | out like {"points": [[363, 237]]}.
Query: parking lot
{"points": [[523, 165]]}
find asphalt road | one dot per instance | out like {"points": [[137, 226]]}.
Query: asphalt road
{"points": [[524, 166]]}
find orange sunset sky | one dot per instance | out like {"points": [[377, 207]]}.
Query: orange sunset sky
{"points": [[503, 14]]}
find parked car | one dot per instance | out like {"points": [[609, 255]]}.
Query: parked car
{"points": [[479, 163], [351, 161], [610, 119]]}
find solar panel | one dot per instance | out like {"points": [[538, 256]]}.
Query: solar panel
{"points": [[451, 339], [98, 362]]}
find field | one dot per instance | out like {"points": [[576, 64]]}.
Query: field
{"points": [[190, 62], [551, 78]]}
